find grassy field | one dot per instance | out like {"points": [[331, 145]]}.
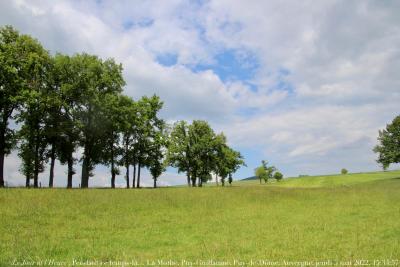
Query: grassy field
{"points": [[328, 180], [325, 218]]}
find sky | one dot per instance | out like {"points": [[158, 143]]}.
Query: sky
{"points": [[305, 85]]}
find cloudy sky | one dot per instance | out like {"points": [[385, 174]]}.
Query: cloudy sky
{"points": [[303, 84]]}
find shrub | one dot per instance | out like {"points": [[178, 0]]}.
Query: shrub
{"points": [[278, 176]]}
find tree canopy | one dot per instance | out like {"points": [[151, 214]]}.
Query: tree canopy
{"points": [[388, 148]]}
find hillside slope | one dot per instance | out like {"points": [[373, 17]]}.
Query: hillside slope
{"points": [[327, 180]]}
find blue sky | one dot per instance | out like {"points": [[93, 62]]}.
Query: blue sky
{"points": [[305, 85]]}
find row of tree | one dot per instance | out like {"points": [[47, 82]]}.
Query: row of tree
{"points": [[60, 107]]}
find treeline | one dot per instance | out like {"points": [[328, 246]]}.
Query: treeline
{"points": [[54, 106]]}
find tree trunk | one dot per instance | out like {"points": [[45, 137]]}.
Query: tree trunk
{"points": [[85, 173], [112, 179], [2, 167], [36, 168], [36, 177], [200, 182], [193, 181], [112, 168], [138, 176], [52, 161], [188, 179], [155, 183], [27, 181], [70, 171], [216, 179], [134, 176], [127, 175], [3, 129]]}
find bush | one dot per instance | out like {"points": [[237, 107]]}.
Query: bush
{"points": [[278, 176], [344, 171]]}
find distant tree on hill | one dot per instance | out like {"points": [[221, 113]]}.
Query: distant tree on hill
{"points": [[278, 176], [260, 173], [388, 148], [343, 171], [265, 172]]}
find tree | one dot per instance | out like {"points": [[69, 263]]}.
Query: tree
{"points": [[261, 173], [128, 129], [179, 154], [20, 58], [66, 81], [201, 143], [388, 148], [156, 157], [33, 108], [278, 176], [343, 171], [27, 155], [227, 160], [265, 172], [113, 113], [198, 151], [148, 123], [95, 80], [53, 96]]}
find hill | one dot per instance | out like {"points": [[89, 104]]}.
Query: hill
{"points": [[326, 180]]}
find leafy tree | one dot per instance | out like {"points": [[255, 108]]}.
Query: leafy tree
{"points": [[201, 142], [66, 126], [128, 126], [20, 68], [343, 171], [96, 80], [388, 148], [34, 108], [113, 111], [265, 172], [27, 155], [148, 123], [179, 153], [198, 151], [53, 96], [227, 160], [156, 158], [261, 173], [278, 176]]}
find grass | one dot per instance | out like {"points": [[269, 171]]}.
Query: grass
{"points": [[313, 218], [328, 180]]}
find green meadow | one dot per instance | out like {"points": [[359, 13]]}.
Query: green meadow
{"points": [[343, 218]]}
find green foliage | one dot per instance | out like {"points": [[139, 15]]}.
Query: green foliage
{"points": [[388, 148], [264, 172], [344, 171], [23, 78], [198, 151], [261, 173], [278, 176]]}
